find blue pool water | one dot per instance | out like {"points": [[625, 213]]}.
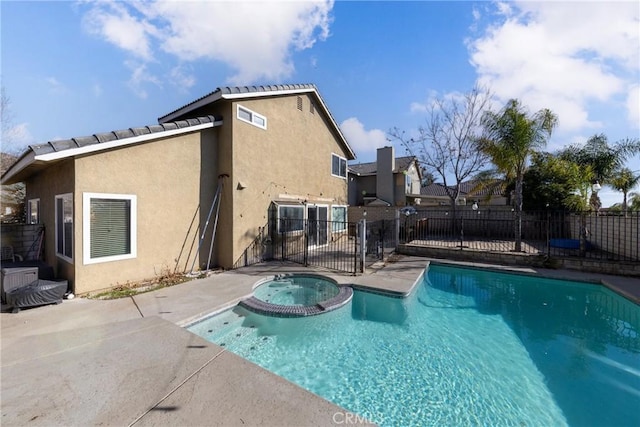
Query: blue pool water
{"points": [[468, 347]]}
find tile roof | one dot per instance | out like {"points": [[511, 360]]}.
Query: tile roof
{"points": [[466, 188], [238, 90], [36, 156], [370, 168], [434, 189], [98, 138]]}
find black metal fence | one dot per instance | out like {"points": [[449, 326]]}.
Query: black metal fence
{"points": [[336, 245], [559, 234], [325, 244]]}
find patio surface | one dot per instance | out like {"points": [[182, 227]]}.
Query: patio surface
{"points": [[130, 362]]}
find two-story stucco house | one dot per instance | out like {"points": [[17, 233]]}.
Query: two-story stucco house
{"points": [[389, 181], [126, 205]]}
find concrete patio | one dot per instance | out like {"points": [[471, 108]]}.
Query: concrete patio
{"points": [[130, 362]]}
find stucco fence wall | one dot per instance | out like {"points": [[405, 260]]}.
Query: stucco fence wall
{"points": [[614, 234], [23, 238]]}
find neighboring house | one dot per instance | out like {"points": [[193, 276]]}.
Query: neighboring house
{"points": [[389, 181], [11, 196], [436, 195], [127, 205]]}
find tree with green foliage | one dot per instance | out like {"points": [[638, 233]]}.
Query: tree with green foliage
{"points": [[510, 137], [604, 159], [552, 182], [634, 202], [624, 180]]}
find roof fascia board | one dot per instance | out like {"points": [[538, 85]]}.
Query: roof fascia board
{"points": [[122, 142], [18, 166], [264, 93], [190, 107]]}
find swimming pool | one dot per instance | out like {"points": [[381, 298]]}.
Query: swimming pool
{"points": [[467, 347]]}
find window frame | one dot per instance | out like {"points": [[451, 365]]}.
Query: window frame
{"points": [[66, 197], [334, 223], [279, 217], [341, 160], [86, 227], [253, 116], [30, 211]]}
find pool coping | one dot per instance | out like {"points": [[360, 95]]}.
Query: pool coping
{"points": [[345, 293]]}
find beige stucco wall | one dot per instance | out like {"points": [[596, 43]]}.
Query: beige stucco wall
{"points": [[55, 180], [290, 159], [169, 177]]}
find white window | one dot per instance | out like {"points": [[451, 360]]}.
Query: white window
{"points": [[109, 227], [252, 117], [407, 182], [338, 166], [290, 218], [64, 226], [33, 211], [338, 218]]}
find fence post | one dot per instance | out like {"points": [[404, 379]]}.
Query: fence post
{"points": [[548, 232], [305, 242], [382, 241], [363, 243]]}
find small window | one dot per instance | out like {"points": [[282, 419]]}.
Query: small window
{"points": [[407, 182], [252, 117], [312, 107], [338, 166], [290, 218], [109, 227], [33, 211], [300, 103], [338, 218], [64, 226]]}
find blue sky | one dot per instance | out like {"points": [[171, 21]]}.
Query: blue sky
{"points": [[77, 68]]}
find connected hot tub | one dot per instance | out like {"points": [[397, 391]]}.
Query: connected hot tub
{"points": [[297, 295]]}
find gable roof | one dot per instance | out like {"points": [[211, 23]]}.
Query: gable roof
{"points": [[370, 168], [244, 92], [36, 157]]}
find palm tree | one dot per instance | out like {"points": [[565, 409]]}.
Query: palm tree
{"points": [[510, 137], [634, 199], [624, 180], [603, 158]]}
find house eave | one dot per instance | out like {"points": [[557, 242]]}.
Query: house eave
{"points": [[31, 163], [219, 94]]}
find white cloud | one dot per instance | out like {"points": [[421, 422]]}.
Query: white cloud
{"points": [[55, 86], [115, 22], [362, 141], [255, 39], [140, 75], [182, 78], [566, 56], [633, 106], [97, 90], [16, 138]]}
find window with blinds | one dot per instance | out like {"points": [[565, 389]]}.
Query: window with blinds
{"points": [[109, 227]]}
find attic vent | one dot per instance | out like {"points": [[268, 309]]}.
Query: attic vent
{"points": [[300, 103]]}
